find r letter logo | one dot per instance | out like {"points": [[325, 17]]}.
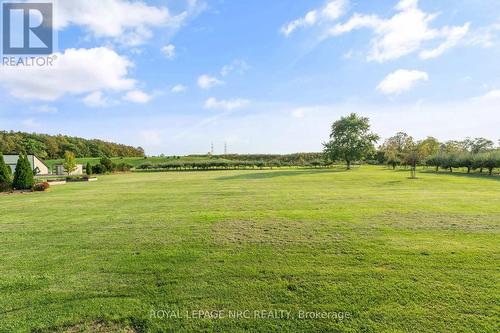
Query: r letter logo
{"points": [[27, 28]]}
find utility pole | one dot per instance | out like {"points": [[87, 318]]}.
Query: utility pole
{"points": [[225, 148], [212, 148]]}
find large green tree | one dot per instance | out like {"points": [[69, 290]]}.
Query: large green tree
{"points": [[23, 176], [396, 148], [350, 139]]}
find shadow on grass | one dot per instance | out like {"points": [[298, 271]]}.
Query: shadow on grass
{"points": [[455, 173], [267, 174], [462, 174]]}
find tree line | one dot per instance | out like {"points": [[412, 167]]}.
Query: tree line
{"points": [[54, 146], [352, 141], [284, 159], [219, 164]]}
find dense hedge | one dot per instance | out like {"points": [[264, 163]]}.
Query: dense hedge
{"points": [[286, 159], [481, 161], [225, 164], [107, 166], [53, 146]]}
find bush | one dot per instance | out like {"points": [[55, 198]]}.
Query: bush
{"points": [[23, 177], [5, 175], [5, 187], [88, 169], [99, 169], [122, 167], [108, 164], [41, 187]]}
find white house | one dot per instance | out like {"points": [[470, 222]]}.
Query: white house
{"points": [[39, 168]]}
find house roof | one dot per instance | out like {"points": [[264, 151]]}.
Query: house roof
{"points": [[38, 158]]}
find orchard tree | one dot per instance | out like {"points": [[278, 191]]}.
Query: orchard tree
{"points": [[397, 147], [69, 162], [428, 147], [413, 156], [454, 146], [350, 139], [479, 145]]}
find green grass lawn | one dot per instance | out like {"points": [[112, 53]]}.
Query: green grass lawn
{"points": [[397, 255]]}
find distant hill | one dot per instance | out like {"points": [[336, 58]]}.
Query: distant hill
{"points": [[53, 146]]}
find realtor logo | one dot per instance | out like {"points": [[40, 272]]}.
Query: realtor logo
{"points": [[27, 28]]}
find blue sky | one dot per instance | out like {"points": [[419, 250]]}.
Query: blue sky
{"points": [[263, 76]]}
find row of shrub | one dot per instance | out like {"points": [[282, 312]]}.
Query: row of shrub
{"points": [[105, 165], [470, 161], [225, 164], [23, 178]]}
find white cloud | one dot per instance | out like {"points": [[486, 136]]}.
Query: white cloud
{"points": [[237, 66], [403, 33], [401, 81], [207, 81], [169, 51], [228, 105], [492, 95], [137, 96], [487, 36], [44, 109], [95, 99], [127, 22], [330, 12], [76, 71], [178, 88], [453, 36]]}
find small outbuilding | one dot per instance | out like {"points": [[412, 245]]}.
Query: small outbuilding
{"points": [[37, 165], [61, 170]]}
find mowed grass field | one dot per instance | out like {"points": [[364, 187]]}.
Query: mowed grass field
{"points": [[398, 255]]}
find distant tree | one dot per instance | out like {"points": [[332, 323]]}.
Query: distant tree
{"points": [[491, 161], [396, 148], [107, 164], [412, 157], [69, 162], [392, 159], [479, 145], [466, 160], [435, 160], [5, 175], [454, 146], [350, 139], [428, 147], [53, 147], [88, 169], [23, 176]]}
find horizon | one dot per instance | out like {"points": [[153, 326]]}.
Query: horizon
{"points": [[189, 73]]}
